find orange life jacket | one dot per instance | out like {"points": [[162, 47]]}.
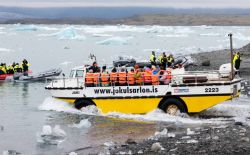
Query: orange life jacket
{"points": [[105, 78], [131, 78], [89, 79], [96, 78], [155, 79], [139, 80], [113, 77], [122, 77], [147, 76]]}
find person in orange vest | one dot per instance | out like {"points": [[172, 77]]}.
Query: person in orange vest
{"points": [[147, 76], [155, 76], [166, 77], [122, 77], [89, 79], [131, 78], [97, 78], [139, 77], [104, 77], [113, 77]]}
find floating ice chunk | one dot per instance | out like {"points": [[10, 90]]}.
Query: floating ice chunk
{"points": [[102, 35], [51, 136], [66, 63], [114, 41], [69, 33], [172, 135], [58, 131], [162, 133], [189, 132], [210, 34], [109, 144], [20, 27], [156, 147], [47, 130], [5, 50], [83, 123], [172, 35], [11, 152], [72, 153]]}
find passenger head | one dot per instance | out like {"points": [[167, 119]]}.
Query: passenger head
{"points": [[136, 66], [153, 53], [104, 68], [153, 67], [94, 63], [132, 70], [91, 71], [123, 70], [114, 70]]}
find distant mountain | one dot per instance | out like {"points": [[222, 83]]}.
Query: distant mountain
{"points": [[71, 15]]}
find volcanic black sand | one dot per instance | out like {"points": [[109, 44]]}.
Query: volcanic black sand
{"points": [[229, 138]]}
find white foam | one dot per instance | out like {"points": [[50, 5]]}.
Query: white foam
{"points": [[115, 41], [5, 50], [159, 115], [51, 104], [85, 123]]}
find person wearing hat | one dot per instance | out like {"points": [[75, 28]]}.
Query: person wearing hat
{"points": [[153, 58], [163, 60], [104, 77], [25, 67], [237, 60]]}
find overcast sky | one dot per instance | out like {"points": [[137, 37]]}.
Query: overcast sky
{"points": [[135, 3]]}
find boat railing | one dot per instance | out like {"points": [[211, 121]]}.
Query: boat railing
{"points": [[188, 77]]}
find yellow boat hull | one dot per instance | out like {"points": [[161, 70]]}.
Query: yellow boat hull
{"points": [[194, 104]]}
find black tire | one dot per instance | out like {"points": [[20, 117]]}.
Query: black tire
{"points": [[79, 103], [173, 102]]}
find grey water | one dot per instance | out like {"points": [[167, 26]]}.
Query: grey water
{"points": [[25, 108]]}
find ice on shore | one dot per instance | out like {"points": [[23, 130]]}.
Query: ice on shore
{"points": [[85, 123], [115, 41], [52, 136]]}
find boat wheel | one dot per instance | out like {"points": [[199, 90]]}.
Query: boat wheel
{"points": [[172, 106], [172, 109]]}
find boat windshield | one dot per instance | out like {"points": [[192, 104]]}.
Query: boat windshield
{"points": [[72, 73], [79, 73]]}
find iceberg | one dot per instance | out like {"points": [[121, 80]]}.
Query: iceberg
{"points": [[20, 27], [68, 33], [114, 41]]}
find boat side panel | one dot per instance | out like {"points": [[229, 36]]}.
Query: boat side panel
{"points": [[131, 105], [199, 103]]}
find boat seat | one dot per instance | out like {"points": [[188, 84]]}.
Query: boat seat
{"points": [[194, 79]]}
